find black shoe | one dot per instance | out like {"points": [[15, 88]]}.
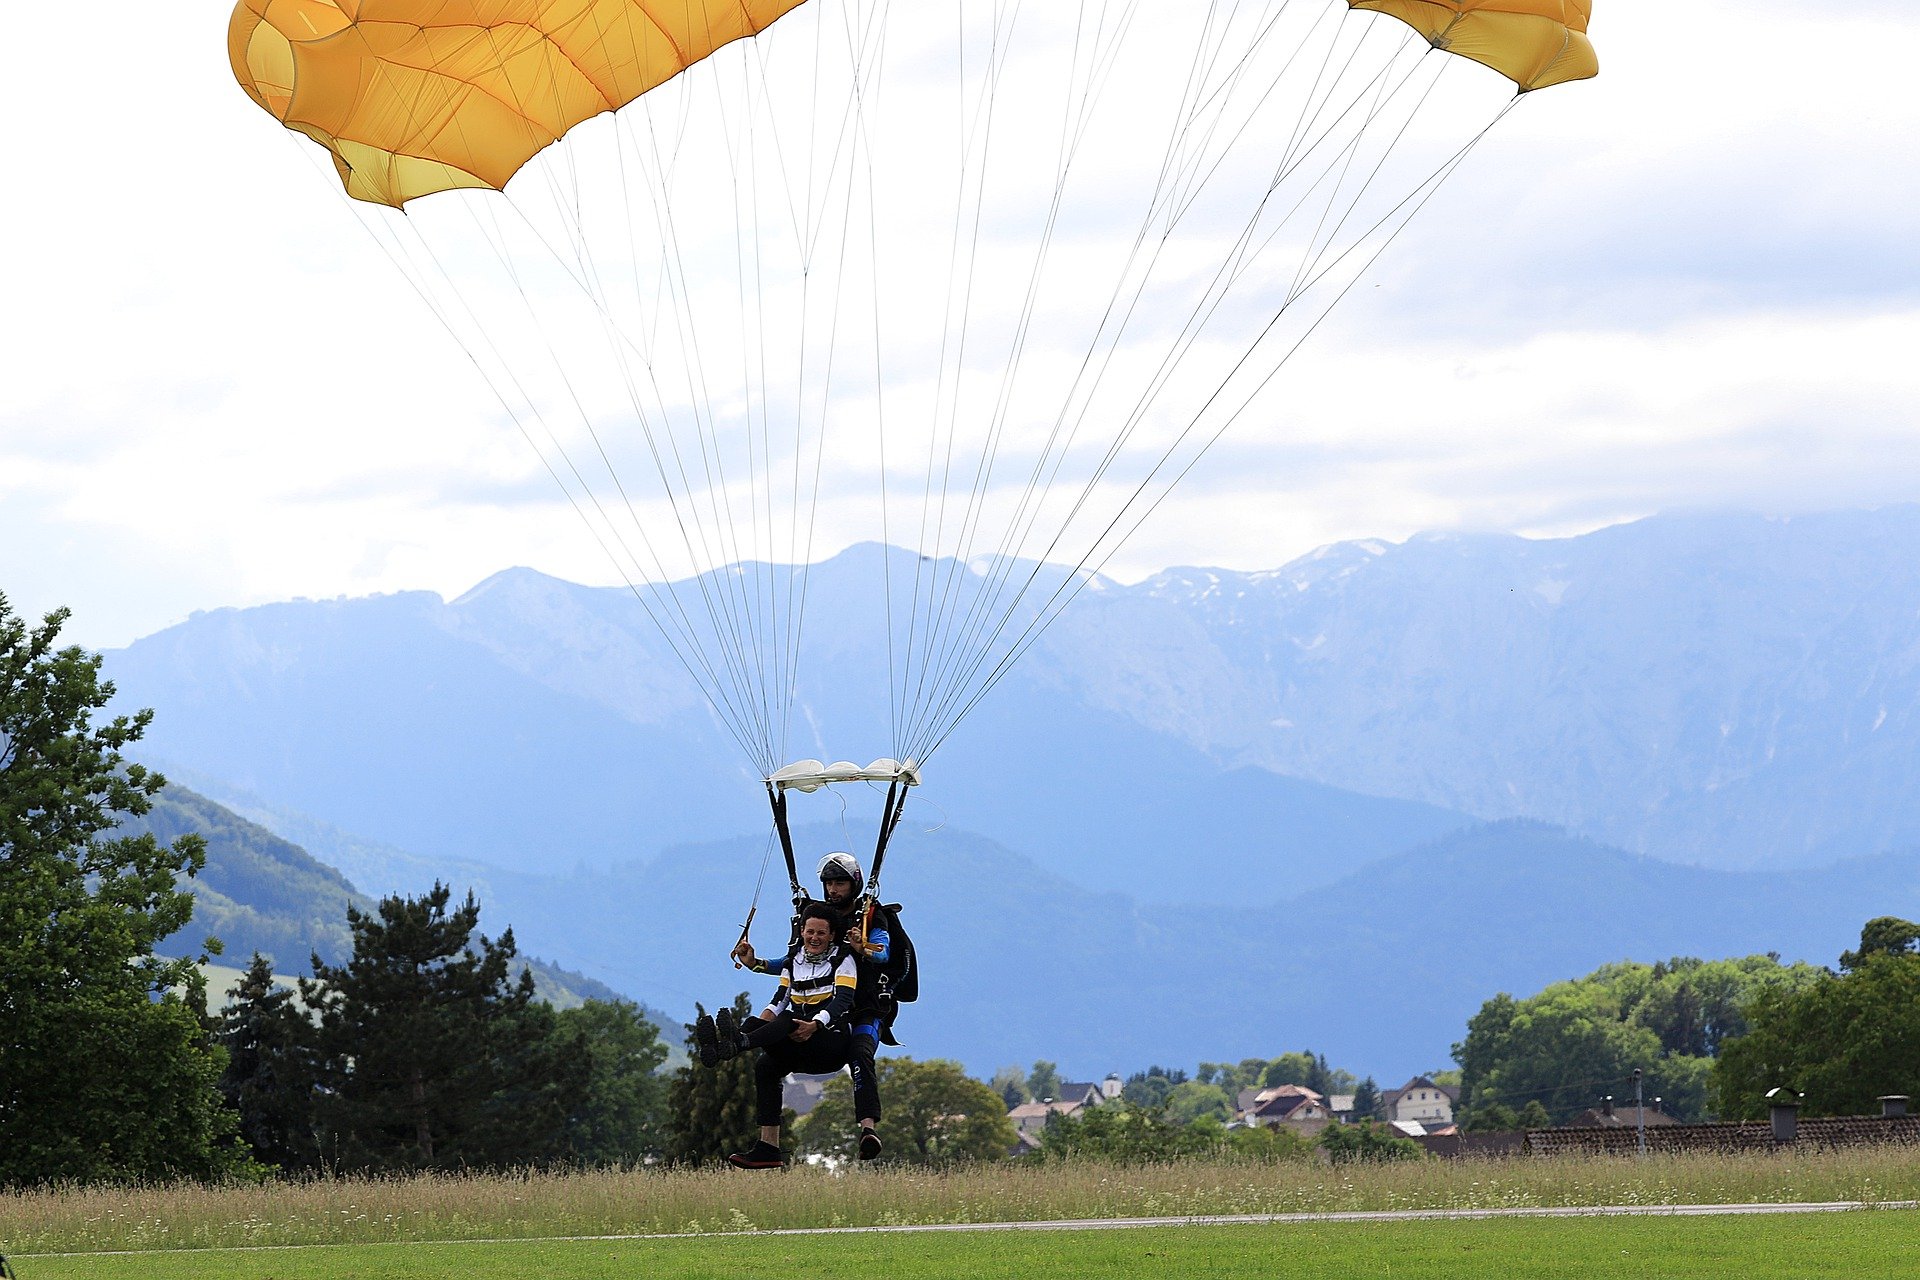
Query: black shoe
{"points": [[706, 1041], [728, 1032], [869, 1145], [762, 1155]]}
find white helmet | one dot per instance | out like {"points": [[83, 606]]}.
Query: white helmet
{"points": [[843, 866]]}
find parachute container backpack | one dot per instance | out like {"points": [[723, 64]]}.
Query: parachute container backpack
{"points": [[960, 291]]}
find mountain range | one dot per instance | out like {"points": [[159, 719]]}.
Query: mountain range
{"points": [[1275, 786]]}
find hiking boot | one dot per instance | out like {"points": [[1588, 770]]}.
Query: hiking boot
{"points": [[761, 1155], [729, 1033], [869, 1145], [706, 1040]]}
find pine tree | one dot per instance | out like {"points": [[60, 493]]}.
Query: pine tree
{"points": [[1366, 1100], [712, 1108], [269, 1080], [431, 1055]]}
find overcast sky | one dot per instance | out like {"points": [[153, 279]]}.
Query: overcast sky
{"points": [[1690, 283]]}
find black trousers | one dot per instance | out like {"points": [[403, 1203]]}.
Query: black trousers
{"points": [[823, 1052], [863, 1040]]}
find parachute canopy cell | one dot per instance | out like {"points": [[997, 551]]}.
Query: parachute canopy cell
{"points": [[1534, 43], [418, 96], [811, 775]]}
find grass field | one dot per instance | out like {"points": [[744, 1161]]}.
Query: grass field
{"points": [[417, 1226], [1863, 1244], [650, 1202]]}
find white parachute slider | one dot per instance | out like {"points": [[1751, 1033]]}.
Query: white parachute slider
{"points": [[811, 775]]}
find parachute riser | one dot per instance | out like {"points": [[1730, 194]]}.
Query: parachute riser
{"points": [[890, 815]]}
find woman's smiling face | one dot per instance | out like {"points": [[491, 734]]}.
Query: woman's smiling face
{"points": [[816, 935]]}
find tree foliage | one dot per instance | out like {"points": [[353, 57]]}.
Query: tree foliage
{"points": [[430, 1054], [496, 1082], [1124, 1133], [931, 1113], [106, 1068], [1577, 1041], [622, 1117], [269, 1078], [1151, 1088], [1043, 1082], [1367, 1141], [1190, 1100], [1883, 936], [1841, 1041], [1011, 1084], [1233, 1076]]}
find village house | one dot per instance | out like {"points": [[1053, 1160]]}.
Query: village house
{"points": [[1607, 1115], [1288, 1106], [1030, 1118], [1420, 1102]]}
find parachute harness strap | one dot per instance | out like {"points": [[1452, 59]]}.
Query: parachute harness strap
{"points": [[778, 799]]}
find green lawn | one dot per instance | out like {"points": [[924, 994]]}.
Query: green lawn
{"points": [[1864, 1244]]}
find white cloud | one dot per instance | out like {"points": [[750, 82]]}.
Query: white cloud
{"points": [[1689, 282]]}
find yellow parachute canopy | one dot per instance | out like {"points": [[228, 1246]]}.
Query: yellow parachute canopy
{"points": [[418, 96], [1534, 43]]}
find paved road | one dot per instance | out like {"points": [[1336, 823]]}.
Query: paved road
{"points": [[1381, 1215]]}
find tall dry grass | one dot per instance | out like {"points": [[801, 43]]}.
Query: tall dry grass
{"points": [[644, 1201]]}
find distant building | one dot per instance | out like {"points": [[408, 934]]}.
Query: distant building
{"points": [[1030, 1118], [1606, 1115], [1289, 1106], [1422, 1101], [1783, 1130]]}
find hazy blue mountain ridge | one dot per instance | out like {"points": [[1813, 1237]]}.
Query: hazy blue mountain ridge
{"points": [[1379, 970], [259, 892], [1725, 689], [463, 731]]}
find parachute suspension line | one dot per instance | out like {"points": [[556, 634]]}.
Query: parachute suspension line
{"points": [[759, 882], [984, 650], [990, 598], [720, 597], [879, 23], [729, 586], [1075, 581], [990, 593], [866, 43], [398, 252], [965, 154], [847, 148], [588, 279], [942, 629], [1418, 200]]}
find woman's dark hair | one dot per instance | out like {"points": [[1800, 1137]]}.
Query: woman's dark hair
{"points": [[820, 911]]}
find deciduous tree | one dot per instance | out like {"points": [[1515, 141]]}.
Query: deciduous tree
{"points": [[106, 1068], [622, 1117], [932, 1113], [1578, 1040], [1841, 1042]]}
